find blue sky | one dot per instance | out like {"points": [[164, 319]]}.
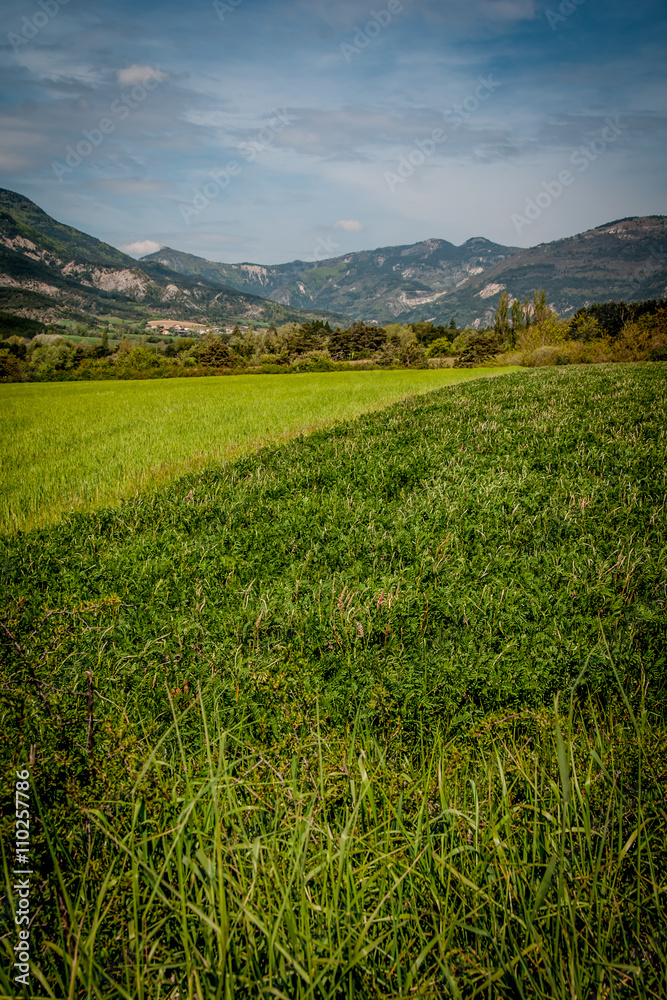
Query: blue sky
{"points": [[255, 130]]}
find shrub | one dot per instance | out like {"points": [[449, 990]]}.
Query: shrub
{"points": [[482, 347], [440, 348], [314, 361]]}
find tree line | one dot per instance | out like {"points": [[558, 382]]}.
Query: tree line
{"points": [[531, 332], [293, 347], [525, 332]]}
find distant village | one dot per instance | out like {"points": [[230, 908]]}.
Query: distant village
{"points": [[173, 328]]}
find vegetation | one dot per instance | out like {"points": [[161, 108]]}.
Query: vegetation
{"points": [[611, 331], [293, 347], [625, 259], [528, 333], [83, 278], [84, 445], [366, 285], [377, 713]]}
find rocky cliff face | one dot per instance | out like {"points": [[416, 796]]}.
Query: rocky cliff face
{"points": [[371, 285], [436, 280], [50, 271]]}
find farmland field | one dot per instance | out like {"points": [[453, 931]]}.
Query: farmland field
{"points": [[378, 712], [75, 446]]}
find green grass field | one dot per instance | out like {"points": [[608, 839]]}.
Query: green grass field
{"points": [[377, 713], [80, 445]]}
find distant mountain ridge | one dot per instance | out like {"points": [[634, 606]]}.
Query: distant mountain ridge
{"points": [[378, 285], [433, 279], [51, 271]]}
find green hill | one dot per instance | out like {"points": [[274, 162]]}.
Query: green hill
{"points": [[51, 271]]}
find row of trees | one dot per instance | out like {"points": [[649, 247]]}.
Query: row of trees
{"points": [[530, 332], [526, 333], [309, 346]]}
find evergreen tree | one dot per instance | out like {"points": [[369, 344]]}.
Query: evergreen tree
{"points": [[357, 340], [216, 354]]}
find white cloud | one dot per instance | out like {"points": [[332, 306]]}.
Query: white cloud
{"points": [[137, 73], [141, 247], [349, 225]]}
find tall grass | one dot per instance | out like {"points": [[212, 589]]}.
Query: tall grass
{"points": [[531, 866], [327, 757], [78, 446]]}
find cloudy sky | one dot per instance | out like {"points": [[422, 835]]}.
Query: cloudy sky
{"points": [[266, 131]]}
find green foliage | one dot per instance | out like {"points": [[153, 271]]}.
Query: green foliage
{"points": [[428, 333], [463, 338], [502, 328], [314, 361], [598, 334], [327, 760], [480, 347], [360, 340], [584, 326], [440, 348], [401, 348], [87, 445], [611, 317], [534, 329], [541, 311], [216, 354], [18, 326], [315, 326]]}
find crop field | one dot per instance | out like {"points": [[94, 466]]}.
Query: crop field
{"points": [[74, 446], [375, 712]]}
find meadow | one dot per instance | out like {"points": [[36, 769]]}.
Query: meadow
{"points": [[70, 447], [377, 712]]}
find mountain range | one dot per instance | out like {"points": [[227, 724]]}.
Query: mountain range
{"points": [[50, 271], [436, 280], [382, 285]]}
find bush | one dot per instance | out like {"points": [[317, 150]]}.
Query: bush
{"points": [[314, 361], [482, 347], [440, 348], [549, 354]]}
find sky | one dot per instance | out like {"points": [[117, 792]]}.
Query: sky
{"points": [[265, 131]]}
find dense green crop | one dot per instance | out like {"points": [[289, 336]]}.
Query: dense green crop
{"points": [[76, 446], [415, 586], [459, 552]]}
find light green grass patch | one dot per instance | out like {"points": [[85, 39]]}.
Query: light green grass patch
{"points": [[76, 446]]}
